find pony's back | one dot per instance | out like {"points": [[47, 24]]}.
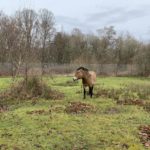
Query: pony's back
{"points": [[92, 76]]}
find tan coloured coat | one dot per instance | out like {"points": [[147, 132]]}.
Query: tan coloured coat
{"points": [[89, 79]]}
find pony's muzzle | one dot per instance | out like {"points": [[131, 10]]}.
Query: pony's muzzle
{"points": [[75, 79]]}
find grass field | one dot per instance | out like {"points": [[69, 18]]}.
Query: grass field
{"points": [[45, 125]]}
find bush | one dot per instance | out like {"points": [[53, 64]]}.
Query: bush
{"points": [[132, 92], [32, 89], [142, 90], [147, 106]]}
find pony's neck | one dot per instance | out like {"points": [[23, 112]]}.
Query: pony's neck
{"points": [[85, 75]]}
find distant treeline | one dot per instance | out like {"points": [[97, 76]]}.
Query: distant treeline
{"points": [[31, 37]]}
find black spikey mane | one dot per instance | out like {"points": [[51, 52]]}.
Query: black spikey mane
{"points": [[85, 69]]}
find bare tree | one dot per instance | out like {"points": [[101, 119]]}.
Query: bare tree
{"points": [[46, 30], [29, 37], [77, 43], [27, 24], [143, 60], [106, 45], [4, 19]]}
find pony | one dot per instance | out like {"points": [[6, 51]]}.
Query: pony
{"points": [[88, 79]]}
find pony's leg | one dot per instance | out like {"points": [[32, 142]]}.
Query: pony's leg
{"points": [[84, 93], [91, 91]]}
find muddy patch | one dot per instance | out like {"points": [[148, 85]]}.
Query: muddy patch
{"points": [[112, 110], [131, 102], [16, 148], [3, 108], [145, 135], [79, 107], [3, 147]]}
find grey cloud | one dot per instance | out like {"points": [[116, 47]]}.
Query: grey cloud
{"points": [[103, 14], [67, 20], [126, 16], [71, 23], [118, 15]]}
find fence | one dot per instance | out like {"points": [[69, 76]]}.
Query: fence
{"points": [[7, 69]]}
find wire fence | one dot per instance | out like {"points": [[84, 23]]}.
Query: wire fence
{"points": [[7, 69]]}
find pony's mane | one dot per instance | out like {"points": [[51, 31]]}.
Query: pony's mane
{"points": [[85, 69]]}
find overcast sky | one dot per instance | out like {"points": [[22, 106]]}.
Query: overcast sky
{"points": [[90, 15]]}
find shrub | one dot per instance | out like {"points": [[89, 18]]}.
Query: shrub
{"points": [[147, 106], [128, 92], [32, 89], [142, 90]]}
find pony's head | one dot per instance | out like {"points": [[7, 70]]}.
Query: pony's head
{"points": [[79, 74]]}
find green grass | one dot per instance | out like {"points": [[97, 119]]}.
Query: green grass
{"points": [[58, 130], [5, 82]]}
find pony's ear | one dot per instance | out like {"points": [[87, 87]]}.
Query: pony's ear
{"points": [[85, 69], [82, 68]]}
